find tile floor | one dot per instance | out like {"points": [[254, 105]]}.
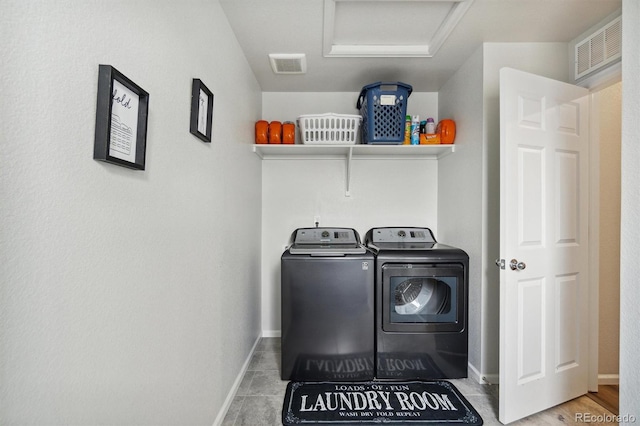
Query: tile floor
{"points": [[259, 398]]}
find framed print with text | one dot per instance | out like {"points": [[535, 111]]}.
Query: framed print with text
{"points": [[201, 110], [121, 120]]}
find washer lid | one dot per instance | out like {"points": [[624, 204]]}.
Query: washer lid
{"points": [[326, 242]]}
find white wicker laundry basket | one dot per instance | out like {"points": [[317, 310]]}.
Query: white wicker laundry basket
{"points": [[329, 129]]}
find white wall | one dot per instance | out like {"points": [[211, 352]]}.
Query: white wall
{"points": [[383, 192], [460, 184], [630, 215], [127, 297]]}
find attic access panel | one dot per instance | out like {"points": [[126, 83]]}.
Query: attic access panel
{"points": [[389, 28]]}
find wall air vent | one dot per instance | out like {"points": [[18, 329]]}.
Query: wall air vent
{"points": [[288, 63], [599, 49]]}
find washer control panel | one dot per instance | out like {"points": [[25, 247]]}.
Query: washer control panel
{"points": [[326, 236], [402, 235]]}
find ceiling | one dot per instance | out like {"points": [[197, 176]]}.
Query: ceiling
{"points": [[410, 40]]}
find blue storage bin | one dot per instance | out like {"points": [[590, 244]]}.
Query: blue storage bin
{"points": [[383, 107]]}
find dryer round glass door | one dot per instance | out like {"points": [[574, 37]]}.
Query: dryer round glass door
{"points": [[422, 299], [422, 295], [419, 298]]}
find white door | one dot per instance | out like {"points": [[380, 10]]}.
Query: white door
{"points": [[544, 187]]}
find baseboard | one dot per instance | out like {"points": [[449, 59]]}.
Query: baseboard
{"points": [[271, 333], [608, 379], [494, 379], [236, 384], [484, 379], [474, 373]]}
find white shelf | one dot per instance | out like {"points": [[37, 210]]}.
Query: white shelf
{"points": [[300, 151], [352, 152]]}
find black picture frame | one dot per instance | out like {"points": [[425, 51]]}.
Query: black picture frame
{"points": [[201, 110], [122, 114]]}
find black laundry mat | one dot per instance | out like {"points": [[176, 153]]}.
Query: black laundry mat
{"points": [[373, 403]]}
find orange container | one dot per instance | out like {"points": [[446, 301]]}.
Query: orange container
{"points": [[262, 131], [447, 131], [288, 132], [429, 139], [275, 132]]}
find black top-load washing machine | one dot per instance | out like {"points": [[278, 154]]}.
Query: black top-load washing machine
{"points": [[327, 285], [421, 305]]}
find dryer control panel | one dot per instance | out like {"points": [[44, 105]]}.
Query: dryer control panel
{"points": [[402, 235]]}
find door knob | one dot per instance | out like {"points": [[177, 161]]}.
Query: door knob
{"points": [[517, 266]]}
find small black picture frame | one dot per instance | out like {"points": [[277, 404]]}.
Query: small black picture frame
{"points": [[201, 110], [121, 120]]}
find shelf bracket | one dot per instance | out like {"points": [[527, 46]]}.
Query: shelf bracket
{"points": [[349, 158]]}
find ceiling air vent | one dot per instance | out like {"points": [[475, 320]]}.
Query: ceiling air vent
{"points": [[599, 49], [288, 63]]}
